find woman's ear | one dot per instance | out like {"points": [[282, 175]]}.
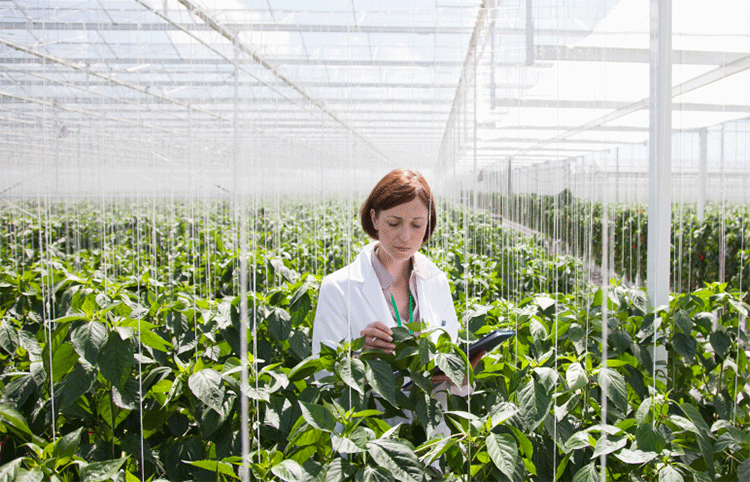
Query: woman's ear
{"points": [[374, 219]]}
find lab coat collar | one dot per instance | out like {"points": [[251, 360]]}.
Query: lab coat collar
{"points": [[361, 271]]}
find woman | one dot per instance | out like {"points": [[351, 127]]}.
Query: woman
{"points": [[389, 283]]}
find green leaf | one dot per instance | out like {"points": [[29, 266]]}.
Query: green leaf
{"points": [[453, 366], [352, 372], [544, 302], [11, 471], [299, 342], [562, 466], [397, 458], [98, 471], [17, 423], [704, 436], [525, 446], [503, 451], [127, 397], [339, 469], [720, 342], [75, 385], [577, 441], [686, 346], [426, 350], [372, 474], [118, 362], [535, 402], [606, 445], [216, 466], [649, 439], [740, 309], [683, 322], [305, 368], [318, 416], [88, 339], [154, 376], [576, 377], [381, 378], [18, 390], [33, 475], [63, 360], [587, 474], [700, 476], [279, 323], [287, 470], [8, 338], [616, 388], [208, 386], [635, 457], [644, 409], [300, 294], [429, 413], [670, 474], [547, 377], [538, 331], [743, 470], [344, 445], [152, 340], [501, 413], [67, 445]]}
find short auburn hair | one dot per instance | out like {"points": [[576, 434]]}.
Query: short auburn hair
{"points": [[398, 187]]}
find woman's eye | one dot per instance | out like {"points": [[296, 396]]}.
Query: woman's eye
{"points": [[416, 226], [393, 225]]}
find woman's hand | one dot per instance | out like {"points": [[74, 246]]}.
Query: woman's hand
{"points": [[377, 335], [437, 379]]}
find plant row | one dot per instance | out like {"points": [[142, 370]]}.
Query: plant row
{"points": [[117, 363], [716, 248]]}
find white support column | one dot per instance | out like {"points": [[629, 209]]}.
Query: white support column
{"points": [[660, 153], [702, 173]]}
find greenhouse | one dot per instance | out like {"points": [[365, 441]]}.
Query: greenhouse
{"points": [[273, 240]]}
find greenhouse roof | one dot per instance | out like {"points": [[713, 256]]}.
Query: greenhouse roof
{"points": [[441, 84]]}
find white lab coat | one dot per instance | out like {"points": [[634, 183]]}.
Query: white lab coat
{"points": [[352, 297]]}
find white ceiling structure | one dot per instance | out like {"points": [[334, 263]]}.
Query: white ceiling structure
{"points": [[440, 85]]}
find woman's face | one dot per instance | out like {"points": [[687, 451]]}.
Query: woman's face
{"points": [[401, 228]]}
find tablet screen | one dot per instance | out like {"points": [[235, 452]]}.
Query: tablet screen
{"points": [[490, 341]]}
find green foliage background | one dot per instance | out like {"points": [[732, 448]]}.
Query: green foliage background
{"points": [[715, 249], [120, 357]]}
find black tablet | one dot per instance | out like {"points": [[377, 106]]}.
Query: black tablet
{"points": [[489, 342]]}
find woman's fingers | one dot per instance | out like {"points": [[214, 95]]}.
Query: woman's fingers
{"points": [[378, 335], [380, 327]]}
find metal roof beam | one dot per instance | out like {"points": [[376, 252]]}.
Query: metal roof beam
{"points": [[709, 77], [233, 37], [614, 54], [548, 53], [275, 27]]}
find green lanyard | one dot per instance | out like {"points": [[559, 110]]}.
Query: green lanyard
{"points": [[411, 309]]}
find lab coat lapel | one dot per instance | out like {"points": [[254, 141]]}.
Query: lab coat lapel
{"points": [[371, 289]]}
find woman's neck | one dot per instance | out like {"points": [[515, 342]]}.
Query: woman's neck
{"points": [[401, 270]]}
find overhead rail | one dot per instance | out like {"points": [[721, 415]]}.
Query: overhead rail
{"points": [[274, 27], [702, 80], [85, 69], [468, 65], [547, 53], [233, 37]]}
